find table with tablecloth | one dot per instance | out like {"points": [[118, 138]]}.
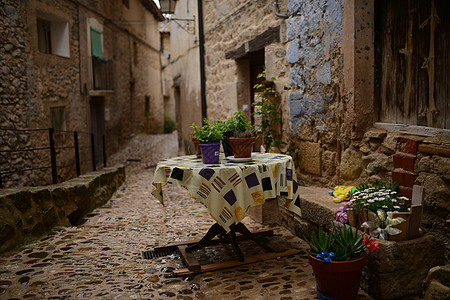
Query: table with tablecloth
{"points": [[228, 189]]}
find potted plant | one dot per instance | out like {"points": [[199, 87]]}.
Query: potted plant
{"points": [[194, 131], [242, 135], [337, 259], [267, 112], [209, 137]]}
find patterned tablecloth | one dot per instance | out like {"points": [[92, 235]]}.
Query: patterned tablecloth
{"points": [[230, 188]]}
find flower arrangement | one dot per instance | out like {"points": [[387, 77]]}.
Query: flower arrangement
{"points": [[379, 196], [381, 199], [340, 244]]}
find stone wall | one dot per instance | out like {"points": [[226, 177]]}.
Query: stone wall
{"points": [[30, 212], [331, 109], [229, 25], [185, 67], [34, 82], [324, 66]]}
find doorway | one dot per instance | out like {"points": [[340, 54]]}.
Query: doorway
{"points": [[97, 114]]}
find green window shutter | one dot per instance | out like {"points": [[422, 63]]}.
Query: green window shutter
{"points": [[96, 43]]}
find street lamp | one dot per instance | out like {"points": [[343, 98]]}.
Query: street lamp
{"points": [[167, 6]]}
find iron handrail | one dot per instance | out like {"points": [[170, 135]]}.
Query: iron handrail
{"points": [[53, 153]]}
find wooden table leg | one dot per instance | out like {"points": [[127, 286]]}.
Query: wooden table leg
{"points": [[234, 244], [214, 230], [245, 232]]}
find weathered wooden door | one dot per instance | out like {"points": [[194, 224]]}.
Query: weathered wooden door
{"points": [[412, 61]]}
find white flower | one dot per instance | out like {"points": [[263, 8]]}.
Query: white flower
{"points": [[384, 206], [370, 201], [394, 200], [396, 207]]}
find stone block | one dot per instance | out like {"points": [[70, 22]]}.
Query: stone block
{"points": [[398, 269], [22, 200], [351, 162], [292, 53], [310, 157], [266, 213], [375, 133], [436, 286]]}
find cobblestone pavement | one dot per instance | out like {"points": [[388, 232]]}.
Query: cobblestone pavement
{"points": [[102, 258]]}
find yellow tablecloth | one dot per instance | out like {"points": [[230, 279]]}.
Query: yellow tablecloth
{"points": [[229, 189]]}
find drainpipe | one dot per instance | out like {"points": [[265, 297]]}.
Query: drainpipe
{"points": [[201, 42], [277, 13]]}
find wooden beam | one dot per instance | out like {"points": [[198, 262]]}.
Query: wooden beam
{"points": [[434, 150], [416, 212], [214, 241], [188, 258], [234, 263], [270, 36]]}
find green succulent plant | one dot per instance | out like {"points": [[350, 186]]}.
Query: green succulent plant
{"points": [[345, 243]]}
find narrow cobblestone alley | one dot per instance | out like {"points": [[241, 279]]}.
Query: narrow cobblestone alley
{"points": [[102, 258]]}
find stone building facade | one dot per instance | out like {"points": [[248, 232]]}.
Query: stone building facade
{"points": [[184, 62], [327, 60], [76, 65]]}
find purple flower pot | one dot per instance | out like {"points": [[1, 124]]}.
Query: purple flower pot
{"points": [[210, 153]]}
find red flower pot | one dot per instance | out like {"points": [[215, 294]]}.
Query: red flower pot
{"points": [[198, 152], [338, 279], [242, 147]]}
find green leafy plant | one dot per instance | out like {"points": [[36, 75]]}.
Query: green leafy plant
{"points": [[239, 126], [340, 244], [268, 111], [208, 133], [169, 124]]}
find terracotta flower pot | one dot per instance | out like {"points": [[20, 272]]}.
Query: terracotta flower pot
{"points": [[242, 147], [210, 153], [198, 152], [355, 221], [338, 279]]}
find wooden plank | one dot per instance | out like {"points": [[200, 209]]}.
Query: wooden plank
{"points": [[434, 150], [416, 212], [234, 263], [188, 258], [214, 241], [270, 36]]}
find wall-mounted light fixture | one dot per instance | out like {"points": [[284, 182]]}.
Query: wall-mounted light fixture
{"points": [[168, 8]]}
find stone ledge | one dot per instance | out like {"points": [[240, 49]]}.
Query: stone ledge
{"points": [[29, 212], [396, 270], [317, 207]]}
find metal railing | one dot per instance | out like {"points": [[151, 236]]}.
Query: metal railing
{"points": [[52, 149]]}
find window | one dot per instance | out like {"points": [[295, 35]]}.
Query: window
{"points": [[58, 118], [53, 35], [44, 36], [96, 43]]}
